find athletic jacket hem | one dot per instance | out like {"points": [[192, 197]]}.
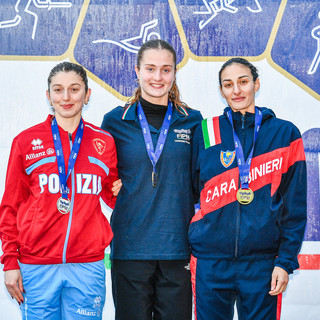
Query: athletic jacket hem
{"points": [[149, 257], [44, 260]]}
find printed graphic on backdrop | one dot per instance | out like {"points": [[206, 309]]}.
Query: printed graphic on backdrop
{"points": [[297, 45], [227, 27], [311, 142], [109, 48], [37, 27]]}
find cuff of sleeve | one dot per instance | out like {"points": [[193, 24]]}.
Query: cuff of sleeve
{"points": [[286, 264], [10, 263]]}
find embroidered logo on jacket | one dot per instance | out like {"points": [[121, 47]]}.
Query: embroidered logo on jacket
{"points": [[32, 156], [183, 135], [99, 145], [37, 144], [50, 151], [227, 158]]}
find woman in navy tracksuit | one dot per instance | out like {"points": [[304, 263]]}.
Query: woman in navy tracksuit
{"points": [[153, 135], [251, 177]]}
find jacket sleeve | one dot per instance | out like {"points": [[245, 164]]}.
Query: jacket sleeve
{"points": [[111, 161], [195, 164], [16, 192], [293, 188]]}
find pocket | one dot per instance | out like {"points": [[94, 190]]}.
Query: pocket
{"points": [[28, 226]]}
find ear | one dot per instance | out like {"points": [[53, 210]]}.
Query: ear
{"points": [[88, 94], [256, 85], [137, 71], [223, 96], [48, 97]]}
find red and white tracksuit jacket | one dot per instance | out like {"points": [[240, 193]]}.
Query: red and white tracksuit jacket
{"points": [[32, 230]]}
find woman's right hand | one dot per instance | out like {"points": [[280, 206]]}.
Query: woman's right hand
{"points": [[116, 186], [13, 282]]}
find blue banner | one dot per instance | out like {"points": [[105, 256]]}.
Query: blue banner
{"points": [[37, 27], [112, 33], [311, 142], [297, 45], [227, 28]]}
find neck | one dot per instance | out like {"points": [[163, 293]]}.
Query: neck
{"points": [[162, 101], [68, 124], [146, 103], [243, 111]]}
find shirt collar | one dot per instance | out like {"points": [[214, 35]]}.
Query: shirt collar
{"points": [[130, 113]]}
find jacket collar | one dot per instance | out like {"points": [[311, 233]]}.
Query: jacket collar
{"points": [[61, 131], [130, 113], [266, 114]]}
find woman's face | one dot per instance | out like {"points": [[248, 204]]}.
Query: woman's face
{"points": [[156, 75], [238, 87], [67, 94]]}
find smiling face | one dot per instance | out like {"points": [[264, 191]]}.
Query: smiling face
{"points": [[67, 94], [156, 74], [239, 88]]}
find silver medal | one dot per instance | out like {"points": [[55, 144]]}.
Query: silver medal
{"points": [[63, 205]]}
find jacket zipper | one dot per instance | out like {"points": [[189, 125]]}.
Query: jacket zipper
{"points": [[238, 207], [64, 254]]}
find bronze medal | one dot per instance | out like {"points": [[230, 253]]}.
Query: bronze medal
{"points": [[154, 179]]}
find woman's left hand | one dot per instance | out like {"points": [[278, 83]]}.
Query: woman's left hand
{"points": [[279, 281], [116, 187], [13, 282]]}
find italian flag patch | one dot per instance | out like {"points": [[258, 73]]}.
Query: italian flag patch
{"points": [[211, 132]]}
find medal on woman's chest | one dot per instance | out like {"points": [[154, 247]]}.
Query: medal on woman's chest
{"points": [[154, 179], [64, 203], [154, 155], [245, 195]]}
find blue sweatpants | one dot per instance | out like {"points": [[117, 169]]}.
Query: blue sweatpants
{"points": [[219, 284], [71, 291]]}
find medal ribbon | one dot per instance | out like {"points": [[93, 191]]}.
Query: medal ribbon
{"points": [[154, 155], [60, 158], [244, 166]]}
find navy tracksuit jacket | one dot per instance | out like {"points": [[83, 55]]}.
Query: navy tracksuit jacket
{"points": [[272, 225]]}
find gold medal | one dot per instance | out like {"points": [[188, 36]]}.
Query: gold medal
{"points": [[245, 196], [63, 205]]}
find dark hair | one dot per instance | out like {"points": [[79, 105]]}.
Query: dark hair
{"points": [[244, 62], [159, 44], [67, 67]]}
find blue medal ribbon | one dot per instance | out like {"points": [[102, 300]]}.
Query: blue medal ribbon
{"points": [[63, 177], [154, 155], [244, 166]]}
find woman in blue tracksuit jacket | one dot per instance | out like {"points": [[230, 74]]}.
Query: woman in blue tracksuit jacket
{"points": [[251, 176], [150, 251]]}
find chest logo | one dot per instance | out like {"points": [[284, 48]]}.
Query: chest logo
{"points": [[227, 158], [37, 144], [99, 145], [183, 135]]}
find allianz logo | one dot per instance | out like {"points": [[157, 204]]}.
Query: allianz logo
{"points": [[85, 312]]}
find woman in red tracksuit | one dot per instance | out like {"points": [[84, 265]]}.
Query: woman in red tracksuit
{"points": [[52, 229]]}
